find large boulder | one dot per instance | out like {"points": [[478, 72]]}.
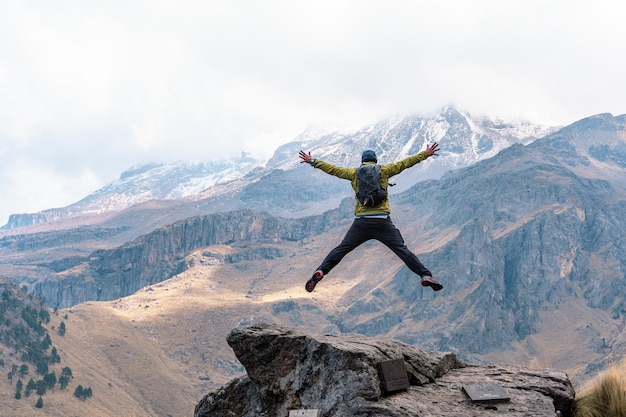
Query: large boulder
{"points": [[339, 375]]}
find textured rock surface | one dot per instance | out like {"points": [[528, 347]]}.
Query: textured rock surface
{"points": [[337, 374], [157, 256]]}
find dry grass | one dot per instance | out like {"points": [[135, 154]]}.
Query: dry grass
{"points": [[604, 395], [157, 352]]}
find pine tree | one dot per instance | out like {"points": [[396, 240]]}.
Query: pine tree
{"points": [[13, 372], [18, 389], [78, 392], [83, 393], [39, 403], [42, 366], [54, 356], [66, 375], [62, 329], [29, 387], [23, 370], [63, 382], [50, 379], [46, 342], [67, 372], [44, 315], [41, 387]]}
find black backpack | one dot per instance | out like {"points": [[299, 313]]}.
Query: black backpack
{"points": [[370, 193]]}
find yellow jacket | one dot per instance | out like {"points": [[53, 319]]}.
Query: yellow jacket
{"points": [[386, 171]]}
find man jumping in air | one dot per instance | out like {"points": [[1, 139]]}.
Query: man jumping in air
{"points": [[372, 215]]}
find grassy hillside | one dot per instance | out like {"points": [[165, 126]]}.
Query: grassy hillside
{"points": [[157, 352], [28, 357]]}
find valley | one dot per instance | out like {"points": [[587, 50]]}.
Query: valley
{"points": [[529, 245]]}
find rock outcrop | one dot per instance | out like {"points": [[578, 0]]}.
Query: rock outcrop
{"points": [[338, 376], [108, 274]]}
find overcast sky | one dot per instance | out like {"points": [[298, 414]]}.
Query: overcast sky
{"points": [[91, 88]]}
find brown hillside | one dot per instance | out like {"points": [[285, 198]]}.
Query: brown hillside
{"points": [[157, 352]]}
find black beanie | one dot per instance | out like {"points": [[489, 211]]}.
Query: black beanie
{"points": [[369, 156]]}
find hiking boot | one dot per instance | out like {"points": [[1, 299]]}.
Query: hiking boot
{"points": [[432, 283], [312, 282]]}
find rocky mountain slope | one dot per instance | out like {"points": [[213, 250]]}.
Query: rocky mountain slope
{"points": [[528, 243], [528, 234], [245, 182], [156, 181]]}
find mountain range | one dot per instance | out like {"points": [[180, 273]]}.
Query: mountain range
{"points": [[237, 182], [522, 224]]}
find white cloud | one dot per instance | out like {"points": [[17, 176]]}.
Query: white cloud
{"points": [[44, 187], [100, 86]]}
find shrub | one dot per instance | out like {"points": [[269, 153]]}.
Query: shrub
{"points": [[83, 393], [62, 329], [604, 395]]}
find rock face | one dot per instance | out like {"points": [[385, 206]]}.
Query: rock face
{"points": [[551, 212], [519, 240], [157, 256], [338, 376]]}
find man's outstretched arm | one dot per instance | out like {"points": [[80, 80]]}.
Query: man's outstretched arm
{"points": [[395, 168], [344, 173]]}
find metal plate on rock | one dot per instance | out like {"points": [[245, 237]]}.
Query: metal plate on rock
{"points": [[486, 393], [393, 375]]}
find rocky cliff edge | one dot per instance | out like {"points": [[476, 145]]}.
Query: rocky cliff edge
{"points": [[338, 375]]}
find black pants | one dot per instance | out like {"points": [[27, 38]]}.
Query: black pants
{"points": [[382, 230]]}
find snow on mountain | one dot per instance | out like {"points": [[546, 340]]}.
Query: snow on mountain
{"points": [[147, 182], [166, 182], [463, 140]]}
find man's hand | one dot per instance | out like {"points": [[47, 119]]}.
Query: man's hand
{"points": [[432, 149], [306, 157]]}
